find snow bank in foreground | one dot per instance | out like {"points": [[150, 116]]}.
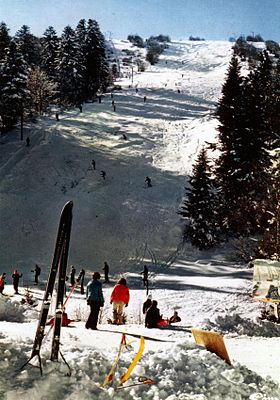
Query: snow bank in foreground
{"points": [[13, 311], [243, 326], [183, 372]]}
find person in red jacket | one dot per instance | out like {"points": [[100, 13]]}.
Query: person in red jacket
{"points": [[119, 298]]}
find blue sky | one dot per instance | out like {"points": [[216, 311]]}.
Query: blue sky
{"points": [[211, 19]]}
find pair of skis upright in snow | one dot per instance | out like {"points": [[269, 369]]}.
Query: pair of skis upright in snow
{"points": [[59, 263]]}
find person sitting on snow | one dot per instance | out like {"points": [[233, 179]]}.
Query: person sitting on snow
{"points": [[175, 318], [147, 304], [153, 316]]}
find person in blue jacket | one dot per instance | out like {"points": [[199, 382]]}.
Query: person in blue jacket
{"points": [[95, 300]]}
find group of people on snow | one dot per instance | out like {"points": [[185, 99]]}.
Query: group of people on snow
{"points": [[119, 299], [16, 277], [153, 318]]}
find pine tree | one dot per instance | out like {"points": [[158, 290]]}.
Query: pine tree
{"points": [[70, 68], [50, 46], [97, 69], [4, 40], [13, 90], [269, 246], [28, 45], [199, 206], [229, 114]]}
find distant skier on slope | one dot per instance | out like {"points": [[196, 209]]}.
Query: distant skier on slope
{"points": [[2, 282], [145, 274], [148, 181], [103, 174], [16, 277], [72, 275], [106, 272], [37, 271]]}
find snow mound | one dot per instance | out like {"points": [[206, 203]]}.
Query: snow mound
{"points": [[243, 326], [13, 311], [185, 372]]}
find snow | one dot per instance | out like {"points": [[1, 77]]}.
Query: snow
{"points": [[123, 222]]}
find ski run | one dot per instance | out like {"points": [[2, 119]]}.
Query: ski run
{"points": [[121, 220]]}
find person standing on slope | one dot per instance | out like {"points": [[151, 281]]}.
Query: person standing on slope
{"points": [[16, 277], [119, 297], [72, 275], [106, 272], [2, 282], [37, 271], [95, 300]]}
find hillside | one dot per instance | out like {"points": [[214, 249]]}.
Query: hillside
{"points": [[118, 219]]}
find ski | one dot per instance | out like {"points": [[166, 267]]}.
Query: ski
{"points": [[135, 360], [110, 376], [64, 224], [137, 335], [61, 290]]}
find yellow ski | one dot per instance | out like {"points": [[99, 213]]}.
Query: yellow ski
{"points": [[125, 377], [110, 376]]}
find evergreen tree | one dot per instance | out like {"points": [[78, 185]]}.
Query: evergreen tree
{"points": [[4, 39], [269, 246], [50, 46], [70, 68], [13, 91], [229, 114], [28, 45], [199, 206], [97, 69], [244, 142]]}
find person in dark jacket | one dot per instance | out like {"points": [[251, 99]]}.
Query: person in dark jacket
{"points": [[95, 300], [16, 277], [106, 272], [145, 273], [152, 316], [72, 275], [175, 318], [147, 304], [37, 271]]}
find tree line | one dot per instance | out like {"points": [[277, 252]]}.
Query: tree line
{"points": [[235, 192], [65, 70]]}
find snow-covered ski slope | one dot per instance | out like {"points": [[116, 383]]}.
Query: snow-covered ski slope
{"points": [[117, 218], [126, 224]]}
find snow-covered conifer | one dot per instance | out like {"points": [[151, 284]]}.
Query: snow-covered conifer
{"points": [[199, 206]]}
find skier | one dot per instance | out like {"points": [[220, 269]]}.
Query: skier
{"points": [[119, 298], [103, 174], [16, 277], [153, 316], [114, 108], [99, 99], [82, 277], [2, 282], [57, 116], [148, 181], [145, 98], [175, 318], [147, 304], [27, 140], [37, 271], [95, 300], [72, 275], [145, 273], [80, 107], [106, 272], [93, 164]]}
